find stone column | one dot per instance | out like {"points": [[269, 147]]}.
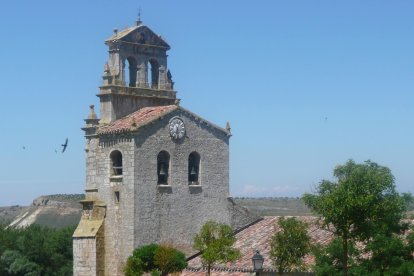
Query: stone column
{"points": [[142, 75], [162, 77]]}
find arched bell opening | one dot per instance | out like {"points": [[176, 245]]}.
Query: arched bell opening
{"points": [[163, 166], [193, 168], [116, 163]]}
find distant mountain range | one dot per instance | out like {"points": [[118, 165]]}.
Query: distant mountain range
{"points": [[65, 210]]}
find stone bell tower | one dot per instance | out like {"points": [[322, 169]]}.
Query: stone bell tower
{"points": [[136, 73], [155, 171]]}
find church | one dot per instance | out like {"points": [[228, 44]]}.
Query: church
{"points": [[155, 171]]}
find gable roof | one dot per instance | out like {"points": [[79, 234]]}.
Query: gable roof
{"points": [[146, 115], [136, 119], [130, 34]]}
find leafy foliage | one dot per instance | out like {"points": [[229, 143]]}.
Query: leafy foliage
{"points": [[362, 203], [133, 266], [35, 250], [289, 245], [169, 260], [146, 256], [390, 254], [329, 260], [156, 259], [409, 201], [215, 241]]}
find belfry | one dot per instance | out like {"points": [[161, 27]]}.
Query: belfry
{"points": [[155, 172]]}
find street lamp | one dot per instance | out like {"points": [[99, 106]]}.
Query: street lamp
{"points": [[257, 261]]}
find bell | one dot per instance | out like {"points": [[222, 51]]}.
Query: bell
{"points": [[162, 169], [193, 172]]}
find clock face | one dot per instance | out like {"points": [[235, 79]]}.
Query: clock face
{"points": [[177, 128]]}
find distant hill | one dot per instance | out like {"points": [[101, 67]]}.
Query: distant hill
{"points": [[65, 210], [7, 214], [274, 206], [50, 210]]}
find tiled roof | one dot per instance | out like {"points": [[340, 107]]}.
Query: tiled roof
{"points": [[213, 272], [257, 237], [137, 119]]}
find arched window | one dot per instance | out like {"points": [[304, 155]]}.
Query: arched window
{"points": [[163, 165], [116, 162], [153, 73], [131, 75], [193, 168]]}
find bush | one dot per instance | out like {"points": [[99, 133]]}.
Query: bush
{"points": [[169, 260], [156, 259]]}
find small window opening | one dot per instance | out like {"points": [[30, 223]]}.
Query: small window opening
{"points": [[193, 168], [116, 163], [163, 164], [116, 197]]}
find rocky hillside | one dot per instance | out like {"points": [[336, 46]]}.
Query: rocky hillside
{"points": [[50, 210]]}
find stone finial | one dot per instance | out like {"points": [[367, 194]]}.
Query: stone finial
{"points": [[115, 31], [177, 101], [106, 69], [92, 114], [228, 128]]}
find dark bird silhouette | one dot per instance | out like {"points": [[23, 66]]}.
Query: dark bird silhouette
{"points": [[65, 145]]}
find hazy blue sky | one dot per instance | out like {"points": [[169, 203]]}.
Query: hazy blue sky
{"points": [[306, 85]]}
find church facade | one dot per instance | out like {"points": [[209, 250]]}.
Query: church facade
{"points": [[155, 171]]}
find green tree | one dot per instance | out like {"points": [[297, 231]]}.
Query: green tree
{"points": [[360, 204], [156, 259], [289, 245], [329, 259], [215, 241], [14, 263], [409, 201], [169, 260], [36, 250], [133, 267], [390, 254], [142, 259]]}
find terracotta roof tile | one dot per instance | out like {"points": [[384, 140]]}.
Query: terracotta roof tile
{"points": [[137, 119], [257, 237]]}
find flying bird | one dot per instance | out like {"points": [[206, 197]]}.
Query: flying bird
{"points": [[65, 145]]}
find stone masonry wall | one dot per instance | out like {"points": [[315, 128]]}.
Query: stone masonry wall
{"points": [[174, 214], [118, 225], [147, 212], [84, 256]]}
